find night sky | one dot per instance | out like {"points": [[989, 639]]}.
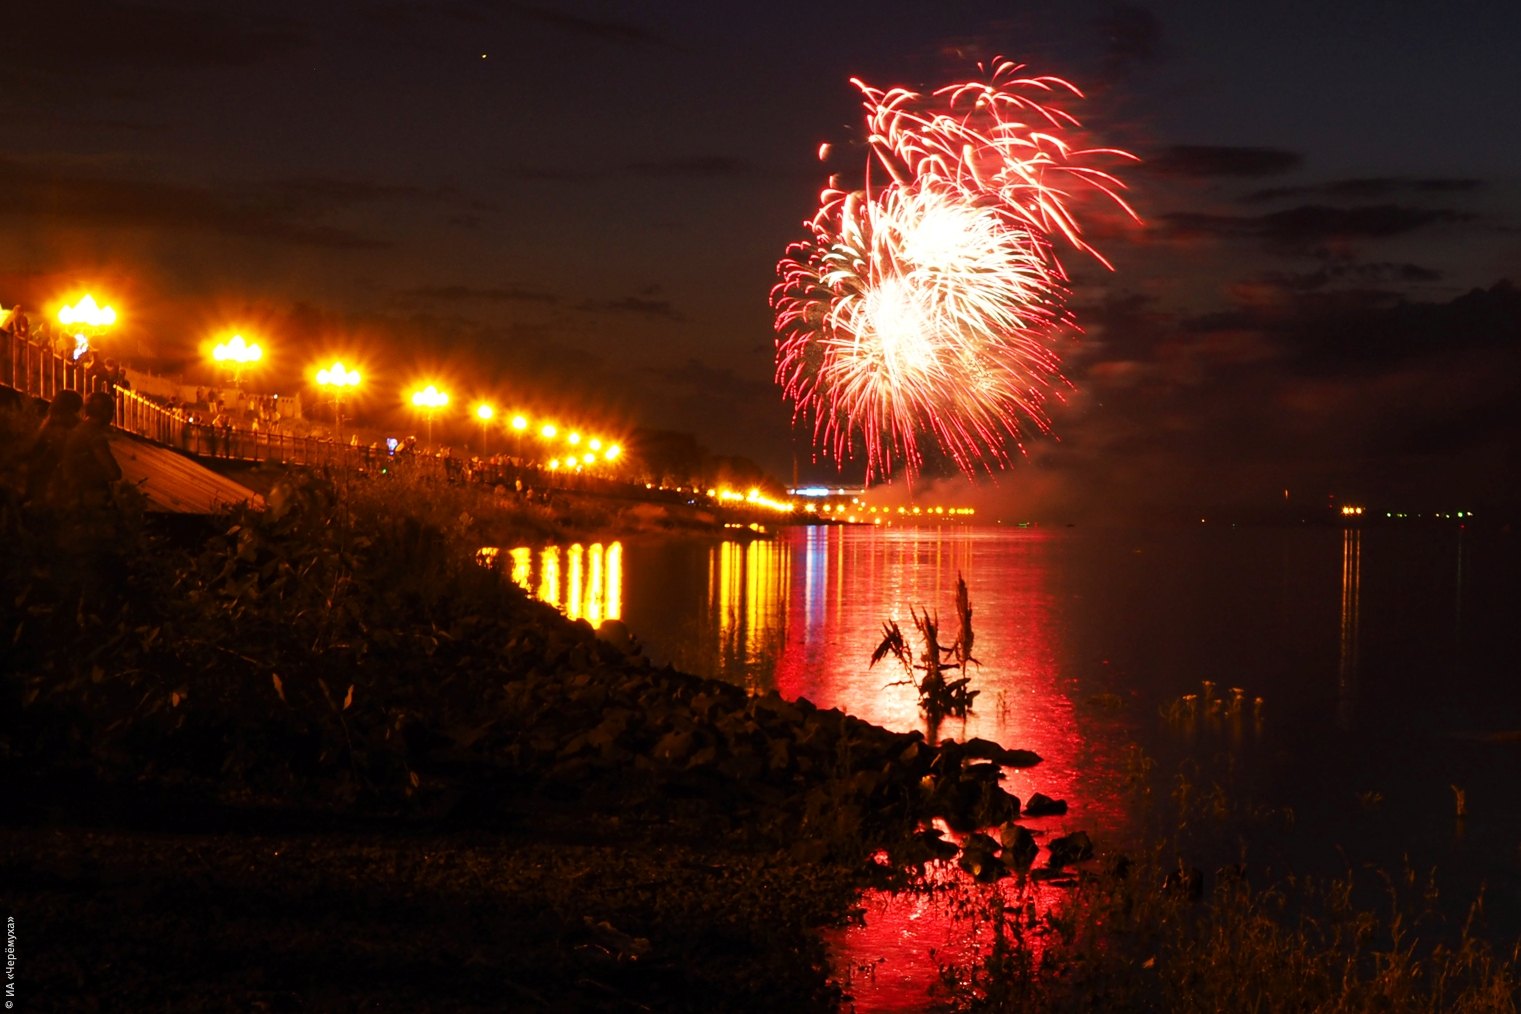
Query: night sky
{"points": [[579, 206]]}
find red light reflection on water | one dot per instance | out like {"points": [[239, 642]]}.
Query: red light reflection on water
{"points": [[843, 586], [916, 946], [803, 612]]}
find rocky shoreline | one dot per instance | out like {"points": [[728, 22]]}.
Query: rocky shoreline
{"points": [[616, 837]]}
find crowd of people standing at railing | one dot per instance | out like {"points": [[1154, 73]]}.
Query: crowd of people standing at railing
{"points": [[103, 374], [250, 426], [94, 371]]}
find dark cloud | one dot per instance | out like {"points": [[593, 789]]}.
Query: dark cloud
{"points": [[1318, 223], [1351, 332], [61, 40], [600, 29], [1366, 189], [638, 305], [1358, 389], [1345, 336], [464, 293], [546, 174], [328, 191], [63, 195], [1341, 272], [1241, 319], [700, 167], [722, 384], [1310, 225], [310, 197], [1217, 160], [1450, 429], [693, 167]]}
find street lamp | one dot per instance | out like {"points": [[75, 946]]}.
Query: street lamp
{"points": [[484, 413], [83, 320], [337, 378], [429, 399], [519, 427], [235, 354]]}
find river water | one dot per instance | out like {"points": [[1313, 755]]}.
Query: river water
{"points": [[1369, 676]]}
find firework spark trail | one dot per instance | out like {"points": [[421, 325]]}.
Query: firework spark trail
{"points": [[926, 306]]}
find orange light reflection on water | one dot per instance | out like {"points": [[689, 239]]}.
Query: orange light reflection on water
{"points": [[748, 592], [583, 582]]}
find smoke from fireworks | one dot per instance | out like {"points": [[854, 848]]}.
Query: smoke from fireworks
{"points": [[927, 303]]}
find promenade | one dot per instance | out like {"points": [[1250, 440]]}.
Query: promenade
{"points": [[178, 460], [37, 371]]}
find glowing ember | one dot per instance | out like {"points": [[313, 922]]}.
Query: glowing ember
{"points": [[927, 305]]}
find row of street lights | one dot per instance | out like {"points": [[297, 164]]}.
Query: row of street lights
{"points": [[235, 355], [584, 451]]}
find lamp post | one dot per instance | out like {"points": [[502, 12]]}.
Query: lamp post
{"points": [[236, 354], [547, 432], [485, 413], [429, 399], [519, 427], [84, 320], [337, 379]]}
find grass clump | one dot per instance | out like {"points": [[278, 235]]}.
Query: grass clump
{"points": [[1153, 938]]}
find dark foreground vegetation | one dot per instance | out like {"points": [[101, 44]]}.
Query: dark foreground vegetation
{"points": [[319, 757]]}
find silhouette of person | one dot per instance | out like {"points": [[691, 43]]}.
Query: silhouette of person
{"points": [[13, 330], [222, 425], [46, 449], [18, 324], [88, 469]]}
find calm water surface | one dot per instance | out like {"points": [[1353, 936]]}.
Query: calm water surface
{"points": [[1386, 661]]}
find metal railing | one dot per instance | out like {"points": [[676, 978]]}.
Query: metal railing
{"points": [[39, 372]]}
